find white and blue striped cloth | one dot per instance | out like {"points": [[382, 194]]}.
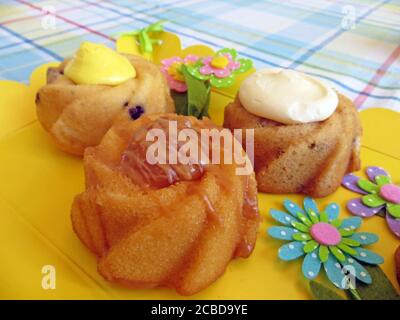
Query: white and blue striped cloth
{"points": [[353, 45]]}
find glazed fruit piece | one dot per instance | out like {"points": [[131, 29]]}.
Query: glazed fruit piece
{"points": [[169, 225]]}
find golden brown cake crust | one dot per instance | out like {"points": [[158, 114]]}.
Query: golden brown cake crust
{"points": [[78, 116], [302, 158], [181, 236]]}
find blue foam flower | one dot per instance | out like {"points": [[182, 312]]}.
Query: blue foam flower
{"points": [[324, 240]]}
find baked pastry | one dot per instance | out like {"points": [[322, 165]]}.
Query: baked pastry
{"points": [[306, 137], [83, 95], [160, 224]]}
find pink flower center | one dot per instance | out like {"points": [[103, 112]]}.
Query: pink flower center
{"points": [[325, 234], [391, 193]]}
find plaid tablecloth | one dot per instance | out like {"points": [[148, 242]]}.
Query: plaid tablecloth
{"points": [[353, 45]]}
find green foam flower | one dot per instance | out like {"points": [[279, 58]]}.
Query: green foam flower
{"points": [[221, 69]]}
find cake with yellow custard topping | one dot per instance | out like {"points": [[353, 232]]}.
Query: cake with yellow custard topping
{"points": [[84, 95], [306, 136]]}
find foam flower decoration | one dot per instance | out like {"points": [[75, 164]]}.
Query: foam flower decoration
{"points": [[143, 36], [324, 240], [172, 69], [192, 78], [220, 69], [378, 194]]}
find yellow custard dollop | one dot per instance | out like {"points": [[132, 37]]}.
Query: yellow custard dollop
{"points": [[97, 64]]}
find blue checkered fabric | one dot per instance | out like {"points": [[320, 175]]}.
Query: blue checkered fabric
{"points": [[354, 46]]}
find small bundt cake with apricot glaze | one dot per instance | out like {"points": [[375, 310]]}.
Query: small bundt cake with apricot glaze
{"points": [[83, 95], [306, 136], [164, 223]]}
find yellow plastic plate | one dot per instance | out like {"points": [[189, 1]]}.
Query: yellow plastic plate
{"points": [[38, 183]]}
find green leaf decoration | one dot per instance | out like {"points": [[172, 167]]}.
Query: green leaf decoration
{"points": [[245, 65], [310, 246], [299, 226], [353, 294], [368, 186], [393, 209], [302, 217], [323, 253], [397, 263], [382, 180], [336, 223], [323, 217], [380, 288], [145, 41], [347, 249], [346, 232], [350, 242], [373, 200], [157, 26], [321, 292], [197, 97], [337, 253], [300, 236], [313, 216], [222, 82], [194, 70], [231, 51], [180, 101]]}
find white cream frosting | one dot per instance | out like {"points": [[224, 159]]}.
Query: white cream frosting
{"points": [[287, 96]]}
